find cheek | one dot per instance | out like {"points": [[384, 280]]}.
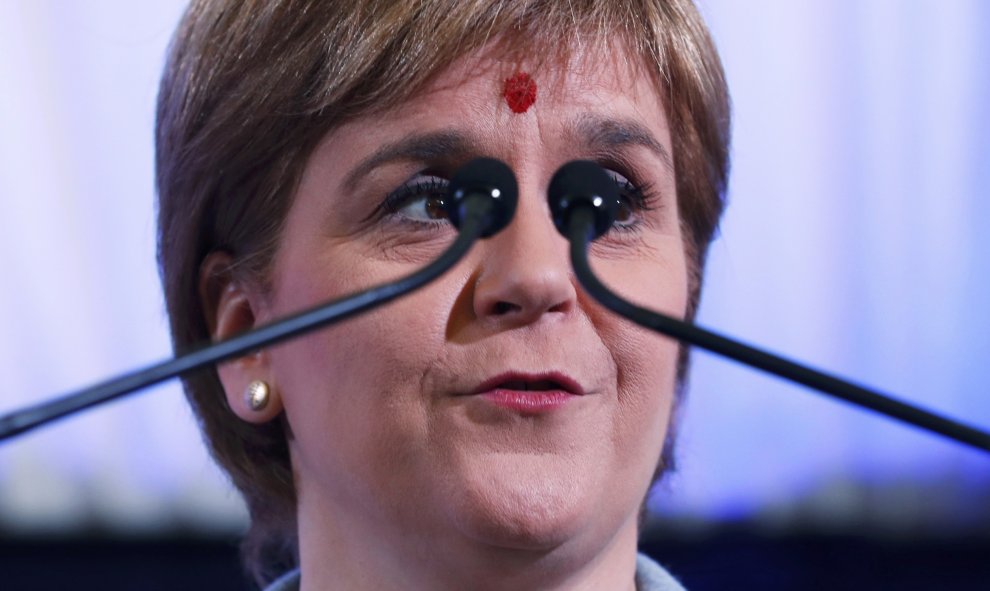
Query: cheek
{"points": [[359, 369], [352, 392], [349, 363], [656, 279], [647, 370], [646, 379], [646, 361]]}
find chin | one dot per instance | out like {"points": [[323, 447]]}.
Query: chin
{"points": [[527, 510]]}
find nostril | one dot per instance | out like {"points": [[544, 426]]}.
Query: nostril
{"points": [[501, 308]]}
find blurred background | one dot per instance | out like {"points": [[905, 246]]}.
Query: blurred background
{"points": [[854, 241]]}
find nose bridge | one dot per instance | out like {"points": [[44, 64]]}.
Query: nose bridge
{"points": [[532, 233], [525, 272]]}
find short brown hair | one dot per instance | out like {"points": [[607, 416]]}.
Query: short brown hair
{"points": [[249, 89]]}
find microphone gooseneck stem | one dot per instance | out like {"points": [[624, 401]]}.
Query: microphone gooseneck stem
{"points": [[471, 228], [581, 223]]}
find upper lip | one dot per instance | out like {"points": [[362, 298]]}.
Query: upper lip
{"points": [[552, 380]]}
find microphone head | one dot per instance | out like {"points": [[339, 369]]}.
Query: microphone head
{"points": [[488, 178], [582, 183]]}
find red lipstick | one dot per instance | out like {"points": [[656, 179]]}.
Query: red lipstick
{"points": [[529, 393]]}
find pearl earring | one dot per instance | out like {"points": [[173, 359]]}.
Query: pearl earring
{"points": [[257, 395]]}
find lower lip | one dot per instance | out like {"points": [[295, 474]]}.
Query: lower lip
{"points": [[528, 402]]}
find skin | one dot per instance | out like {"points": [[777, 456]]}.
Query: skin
{"points": [[403, 480]]}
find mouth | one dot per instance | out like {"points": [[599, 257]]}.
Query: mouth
{"points": [[523, 382], [529, 393]]}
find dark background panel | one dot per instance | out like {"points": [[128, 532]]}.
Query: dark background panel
{"points": [[724, 560]]}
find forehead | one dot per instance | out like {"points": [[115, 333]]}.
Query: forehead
{"points": [[592, 76], [592, 64], [572, 88]]}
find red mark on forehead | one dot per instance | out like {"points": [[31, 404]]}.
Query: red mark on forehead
{"points": [[520, 92]]}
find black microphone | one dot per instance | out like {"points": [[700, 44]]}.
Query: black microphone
{"points": [[481, 201], [583, 202]]}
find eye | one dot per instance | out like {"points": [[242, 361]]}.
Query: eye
{"points": [[422, 199], [632, 201]]}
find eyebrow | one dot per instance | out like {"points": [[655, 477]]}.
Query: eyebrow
{"points": [[600, 133], [607, 133], [429, 146]]}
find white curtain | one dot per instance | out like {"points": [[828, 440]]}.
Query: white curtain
{"points": [[80, 299], [853, 241]]}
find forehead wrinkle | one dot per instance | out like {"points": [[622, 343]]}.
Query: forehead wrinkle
{"points": [[608, 133]]}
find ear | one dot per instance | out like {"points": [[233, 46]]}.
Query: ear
{"points": [[231, 306]]}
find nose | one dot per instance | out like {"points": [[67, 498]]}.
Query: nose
{"points": [[525, 273]]}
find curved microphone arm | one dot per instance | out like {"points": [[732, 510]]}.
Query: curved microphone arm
{"points": [[481, 202], [581, 214]]}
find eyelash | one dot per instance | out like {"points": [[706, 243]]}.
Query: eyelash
{"points": [[431, 186], [640, 198]]}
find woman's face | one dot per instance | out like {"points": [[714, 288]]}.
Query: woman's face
{"points": [[418, 421]]}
